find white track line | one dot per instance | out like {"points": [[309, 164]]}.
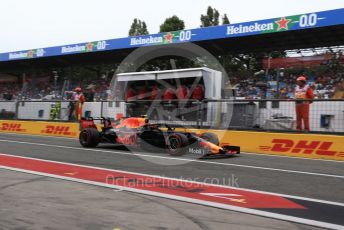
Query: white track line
{"points": [[38, 136], [184, 199], [289, 157], [179, 159]]}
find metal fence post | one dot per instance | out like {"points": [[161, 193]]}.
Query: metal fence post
{"points": [[200, 115], [16, 110], [101, 108]]}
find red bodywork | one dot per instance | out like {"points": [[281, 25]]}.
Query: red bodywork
{"points": [[127, 136], [126, 133]]}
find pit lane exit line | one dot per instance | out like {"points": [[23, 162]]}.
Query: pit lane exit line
{"points": [[179, 159]]}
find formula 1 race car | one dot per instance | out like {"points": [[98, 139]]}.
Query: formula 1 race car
{"points": [[138, 132]]}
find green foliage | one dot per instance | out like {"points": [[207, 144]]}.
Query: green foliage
{"points": [[172, 24], [138, 27], [212, 18], [225, 20]]}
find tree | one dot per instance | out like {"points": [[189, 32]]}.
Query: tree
{"points": [[225, 20], [138, 27], [172, 24], [144, 29], [212, 18]]}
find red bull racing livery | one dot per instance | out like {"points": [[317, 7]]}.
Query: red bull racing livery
{"points": [[137, 132]]}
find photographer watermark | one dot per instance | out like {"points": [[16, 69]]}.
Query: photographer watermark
{"points": [[174, 112], [181, 183]]}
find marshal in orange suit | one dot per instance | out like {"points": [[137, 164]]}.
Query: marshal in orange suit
{"points": [[303, 96], [79, 99]]}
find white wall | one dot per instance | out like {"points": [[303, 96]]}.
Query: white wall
{"points": [[8, 106], [30, 110], [336, 109]]}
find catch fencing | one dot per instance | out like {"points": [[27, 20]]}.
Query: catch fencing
{"points": [[325, 116]]}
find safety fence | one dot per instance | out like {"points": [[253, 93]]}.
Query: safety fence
{"points": [[324, 115]]}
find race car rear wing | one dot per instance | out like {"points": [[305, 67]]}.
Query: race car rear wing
{"points": [[88, 122]]}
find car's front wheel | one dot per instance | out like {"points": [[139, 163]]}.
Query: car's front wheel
{"points": [[89, 137], [176, 143]]}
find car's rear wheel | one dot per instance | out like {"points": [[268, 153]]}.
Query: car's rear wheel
{"points": [[211, 137], [89, 137], [176, 143]]}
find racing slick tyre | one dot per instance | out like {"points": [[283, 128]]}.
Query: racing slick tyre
{"points": [[89, 137], [176, 143], [211, 137]]}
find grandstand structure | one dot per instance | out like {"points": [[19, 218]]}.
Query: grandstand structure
{"points": [[310, 43], [310, 33], [312, 30]]}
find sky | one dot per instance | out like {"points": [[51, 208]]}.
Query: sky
{"points": [[28, 24]]}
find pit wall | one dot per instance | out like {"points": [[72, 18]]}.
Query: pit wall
{"points": [[61, 129], [314, 146]]}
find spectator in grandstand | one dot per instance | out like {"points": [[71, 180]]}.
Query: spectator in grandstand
{"points": [[303, 95], [198, 92], [7, 96], [252, 91], [283, 93], [339, 91], [75, 106], [89, 93]]}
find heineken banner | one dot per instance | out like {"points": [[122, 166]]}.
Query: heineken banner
{"points": [[288, 23]]}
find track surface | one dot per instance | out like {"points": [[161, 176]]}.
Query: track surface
{"points": [[316, 179], [69, 205]]}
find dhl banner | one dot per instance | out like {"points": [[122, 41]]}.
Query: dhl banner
{"points": [[62, 129], [314, 146]]}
